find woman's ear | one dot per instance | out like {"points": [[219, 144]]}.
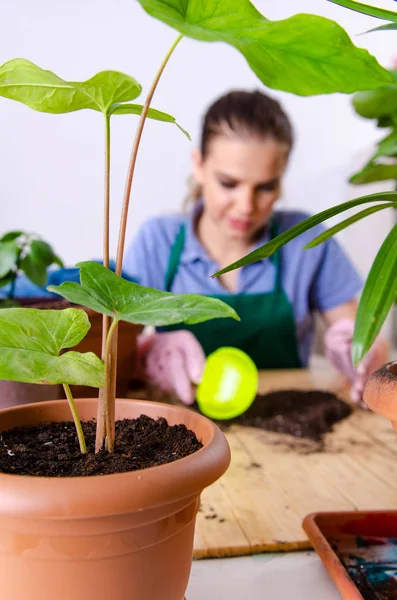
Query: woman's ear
{"points": [[197, 159]]}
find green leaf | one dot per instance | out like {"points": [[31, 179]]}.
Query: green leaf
{"points": [[376, 103], [107, 293], [41, 252], [374, 172], [9, 252], [365, 9], [388, 27], [31, 340], [10, 236], [136, 109], [326, 235], [44, 91], [35, 271], [379, 294], [388, 146], [271, 247], [304, 54]]}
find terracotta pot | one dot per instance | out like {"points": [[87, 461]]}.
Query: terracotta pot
{"points": [[380, 393], [121, 537]]}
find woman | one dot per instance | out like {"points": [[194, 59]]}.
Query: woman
{"points": [[245, 144]]}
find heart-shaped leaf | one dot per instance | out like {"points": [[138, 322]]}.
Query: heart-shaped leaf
{"points": [[374, 172], [305, 54], [273, 245], [41, 252], [9, 252], [136, 109], [107, 293], [30, 343], [44, 91], [379, 294]]}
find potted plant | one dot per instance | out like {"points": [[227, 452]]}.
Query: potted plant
{"points": [[127, 534]]}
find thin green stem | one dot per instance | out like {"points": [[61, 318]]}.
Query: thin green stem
{"points": [[76, 418], [101, 413], [109, 392]]}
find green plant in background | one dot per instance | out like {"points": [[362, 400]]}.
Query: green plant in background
{"points": [[26, 253], [380, 290], [381, 105], [304, 54]]}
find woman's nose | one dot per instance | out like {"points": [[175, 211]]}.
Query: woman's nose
{"points": [[245, 202]]}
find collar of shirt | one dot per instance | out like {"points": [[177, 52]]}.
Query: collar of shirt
{"points": [[194, 250]]}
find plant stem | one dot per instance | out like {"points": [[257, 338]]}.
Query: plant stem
{"points": [[76, 419], [111, 359], [101, 413], [134, 152], [109, 392]]}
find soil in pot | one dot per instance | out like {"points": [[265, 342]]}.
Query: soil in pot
{"points": [[52, 450]]}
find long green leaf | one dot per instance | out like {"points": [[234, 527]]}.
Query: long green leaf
{"points": [[136, 109], [365, 9], [42, 90], [107, 293], [32, 339], [328, 233], [374, 172], [304, 54], [270, 247], [388, 27], [8, 256], [379, 294]]}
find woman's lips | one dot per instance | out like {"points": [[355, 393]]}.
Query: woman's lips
{"points": [[240, 224]]}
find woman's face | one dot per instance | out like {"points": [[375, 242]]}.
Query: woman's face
{"points": [[241, 181]]}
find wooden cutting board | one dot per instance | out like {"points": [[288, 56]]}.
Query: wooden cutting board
{"points": [[274, 482]]}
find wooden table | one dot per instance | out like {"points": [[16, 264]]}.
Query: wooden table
{"points": [[274, 481]]}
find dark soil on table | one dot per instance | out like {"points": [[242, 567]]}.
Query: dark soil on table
{"points": [[52, 449], [301, 414]]}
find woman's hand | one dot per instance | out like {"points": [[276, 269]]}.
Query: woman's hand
{"points": [[338, 349], [172, 361]]}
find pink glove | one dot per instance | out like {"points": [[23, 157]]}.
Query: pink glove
{"points": [[338, 343], [172, 361]]}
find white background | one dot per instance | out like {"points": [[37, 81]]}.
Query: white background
{"points": [[52, 166]]}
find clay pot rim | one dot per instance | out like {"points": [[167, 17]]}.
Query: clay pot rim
{"points": [[61, 497]]}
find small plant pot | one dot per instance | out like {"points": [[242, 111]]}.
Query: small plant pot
{"points": [[380, 393], [126, 536]]}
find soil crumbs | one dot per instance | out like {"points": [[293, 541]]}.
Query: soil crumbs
{"points": [[298, 413], [52, 449]]}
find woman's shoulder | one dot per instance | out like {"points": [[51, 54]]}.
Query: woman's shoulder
{"points": [[157, 234]]}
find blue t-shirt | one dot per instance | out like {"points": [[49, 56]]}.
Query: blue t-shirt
{"points": [[317, 279]]}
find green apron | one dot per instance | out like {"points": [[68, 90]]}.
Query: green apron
{"points": [[266, 332]]}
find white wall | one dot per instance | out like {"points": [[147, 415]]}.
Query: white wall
{"points": [[51, 166]]}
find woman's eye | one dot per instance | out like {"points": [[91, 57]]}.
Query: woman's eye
{"points": [[267, 187], [228, 184]]}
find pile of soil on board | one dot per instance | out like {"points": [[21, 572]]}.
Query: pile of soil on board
{"points": [[302, 414], [52, 449]]}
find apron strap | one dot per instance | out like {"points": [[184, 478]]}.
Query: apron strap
{"points": [[175, 255], [179, 244]]}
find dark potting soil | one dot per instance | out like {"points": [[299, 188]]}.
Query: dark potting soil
{"points": [[52, 449], [302, 414]]}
